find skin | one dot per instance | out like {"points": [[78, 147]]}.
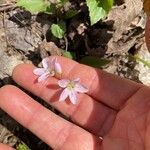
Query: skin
{"points": [[114, 108]]}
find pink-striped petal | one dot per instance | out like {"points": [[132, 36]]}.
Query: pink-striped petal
{"points": [[39, 71], [73, 97], [64, 94], [58, 68], [43, 77], [80, 88], [45, 63], [63, 83]]}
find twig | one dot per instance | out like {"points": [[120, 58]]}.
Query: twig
{"points": [[66, 41], [7, 4], [6, 7], [4, 25]]}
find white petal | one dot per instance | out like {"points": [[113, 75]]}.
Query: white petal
{"points": [[52, 62], [39, 71], [43, 77], [63, 83], [64, 94], [80, 88], [45, 62], [73, 97], [76, 80], [58, 68]]}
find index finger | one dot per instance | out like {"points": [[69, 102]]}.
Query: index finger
{"points": [[104, 87]]}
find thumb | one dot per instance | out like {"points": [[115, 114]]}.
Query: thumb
{"points": [[5, 147]]}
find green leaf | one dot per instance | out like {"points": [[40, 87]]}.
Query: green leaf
{"points": [[51, 9], [98, 9], [94, 61], [70, 55], [63, 1], [22, 146], [71, 13], [58, 30], [34, 6], [106, 4]]}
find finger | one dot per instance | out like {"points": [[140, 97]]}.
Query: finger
{"points": [[107, 88], [5, 147], [87, 113], [55, 131]]}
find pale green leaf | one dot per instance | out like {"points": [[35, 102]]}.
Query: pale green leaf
{"points": [[98, 9], [22, 146], [34, 6], [94, 61], [58, 30]]}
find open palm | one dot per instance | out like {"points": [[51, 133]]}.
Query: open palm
{"points": [[114, 108]]}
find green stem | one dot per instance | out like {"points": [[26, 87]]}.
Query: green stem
{"points": [[146, 63]]}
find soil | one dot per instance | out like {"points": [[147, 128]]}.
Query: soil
{"points": [[26, 38]]}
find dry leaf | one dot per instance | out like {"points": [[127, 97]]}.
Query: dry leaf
{"points": [[47, 48], [123, 16], [147, 6]]}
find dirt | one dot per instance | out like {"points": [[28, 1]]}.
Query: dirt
{"points": [[26, 38]]}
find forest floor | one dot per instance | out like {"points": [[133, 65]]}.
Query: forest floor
{"points": [[26, 38]]}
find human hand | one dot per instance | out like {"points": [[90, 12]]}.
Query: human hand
{"points": [[114, 108]]}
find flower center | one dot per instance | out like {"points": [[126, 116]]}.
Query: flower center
{"points": [[51, 71], [70, 85]]}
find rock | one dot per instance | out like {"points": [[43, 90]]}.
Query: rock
{"points": [[7, 64], [7, 61], [19, 34], [144, 71]]}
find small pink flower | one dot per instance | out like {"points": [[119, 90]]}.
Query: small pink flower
{"points": [[50, 68], [71, 88]]}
